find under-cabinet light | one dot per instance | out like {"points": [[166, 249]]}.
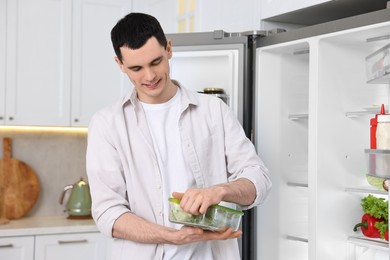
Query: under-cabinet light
{"points": [[44, 129]]}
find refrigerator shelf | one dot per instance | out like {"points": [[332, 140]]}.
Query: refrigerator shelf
{"points": [[368, 242], [354, 114], [365, 190]]}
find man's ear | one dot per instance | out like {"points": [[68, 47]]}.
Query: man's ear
{"points": [[120, 64], [169, 48]]}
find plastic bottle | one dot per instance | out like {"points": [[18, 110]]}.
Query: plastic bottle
{"points": [[373, 128], [383, 132]]}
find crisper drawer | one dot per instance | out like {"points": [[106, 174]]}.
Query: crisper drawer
{"points": [[359, 250]]}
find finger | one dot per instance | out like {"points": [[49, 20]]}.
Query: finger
{"points": [[229, 234], [177, 195]]}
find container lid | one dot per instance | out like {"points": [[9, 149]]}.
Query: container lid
{"points": [[383, 118], [239, 212]]}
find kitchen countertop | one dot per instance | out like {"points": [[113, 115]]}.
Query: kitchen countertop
{"points": [[46, 225]]}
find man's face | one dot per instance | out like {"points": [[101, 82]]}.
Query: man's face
{"points": [[148, 69]]}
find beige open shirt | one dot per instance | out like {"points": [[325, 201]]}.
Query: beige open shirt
{"points": [[124, 176]]}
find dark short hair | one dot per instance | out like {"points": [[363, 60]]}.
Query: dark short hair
{"points": [[134, 30]]}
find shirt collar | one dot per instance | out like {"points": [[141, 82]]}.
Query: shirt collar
{"points": [[188, 98]]}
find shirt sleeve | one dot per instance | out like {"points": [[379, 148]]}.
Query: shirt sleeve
{"points": [[243, 160], [105, 175]]}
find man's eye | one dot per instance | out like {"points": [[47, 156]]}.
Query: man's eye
{"points": [[156, 62], [135, 69]]}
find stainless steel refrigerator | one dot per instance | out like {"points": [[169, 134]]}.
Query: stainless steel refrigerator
{"points": [[222, 60]]}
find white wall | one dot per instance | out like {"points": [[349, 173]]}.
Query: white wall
{"points": [[227, 15], [57, 158]]}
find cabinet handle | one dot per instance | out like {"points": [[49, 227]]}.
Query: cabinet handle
{"points": [[76, 120], [6, 245], [11, 118], [1, 118], [61, 242]]}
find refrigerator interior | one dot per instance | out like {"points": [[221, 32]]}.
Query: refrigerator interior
{"points": [[211, 66], [313, 108], [281, 110]]}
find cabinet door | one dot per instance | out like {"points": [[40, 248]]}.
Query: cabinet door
{"points": [[38, 62], [91, 246], [17, 248], [96, 78], [3, 12]]}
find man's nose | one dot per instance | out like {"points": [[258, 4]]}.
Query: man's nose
{"points": [[149, 74]]}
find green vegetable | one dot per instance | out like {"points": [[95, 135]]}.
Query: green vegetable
{"points": [[382, 228], [217, 217], [177, 214], [376, 207], [376, 182]]}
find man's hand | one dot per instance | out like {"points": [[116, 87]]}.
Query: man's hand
{"points": [[197, 201], [187, 235]]}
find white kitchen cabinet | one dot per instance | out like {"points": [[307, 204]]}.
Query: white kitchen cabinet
{"points": [[3, 23], [96, 78], [270, 8], [17, 248], [313, 110], [58, 64], [35, 80], [91, 246]]}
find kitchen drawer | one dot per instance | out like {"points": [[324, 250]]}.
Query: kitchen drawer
{"points": [[17, 248], [81, 246]]}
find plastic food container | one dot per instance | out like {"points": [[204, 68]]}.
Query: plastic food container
{"points": [[217, 217], [378, 163], [378, 65]]}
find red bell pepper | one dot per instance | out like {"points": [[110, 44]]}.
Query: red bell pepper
{"points": [[368, 226], [387, 235]]}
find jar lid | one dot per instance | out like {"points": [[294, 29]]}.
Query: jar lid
{"points": [[383, 118], [213, 90]]}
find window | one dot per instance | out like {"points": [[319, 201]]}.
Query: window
{"points": [[185, 15]]}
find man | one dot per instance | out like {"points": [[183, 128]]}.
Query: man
{"points": [[160, 141]]}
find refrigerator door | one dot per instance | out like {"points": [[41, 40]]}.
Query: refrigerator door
{"points": [[221, 60], [313, 107], [200, 61], [200, 69]]}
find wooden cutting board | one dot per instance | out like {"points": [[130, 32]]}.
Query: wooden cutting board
{"points": [[19, 185]]}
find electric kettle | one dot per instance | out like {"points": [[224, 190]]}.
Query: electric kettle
{"points": [[79, 201]]}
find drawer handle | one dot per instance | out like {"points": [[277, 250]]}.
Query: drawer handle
{"points": [[61, 242], [6, 245]]}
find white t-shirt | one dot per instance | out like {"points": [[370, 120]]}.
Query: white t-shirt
{"points": [[163, 121]]}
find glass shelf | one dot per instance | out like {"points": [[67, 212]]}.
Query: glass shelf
{"points": [[365, 190], [369, 242], [361, 113]]}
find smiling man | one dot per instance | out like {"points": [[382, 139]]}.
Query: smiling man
{"points": [[160, 141]]}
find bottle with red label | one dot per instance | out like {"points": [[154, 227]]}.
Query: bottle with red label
{"points": [[373, 128]]}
